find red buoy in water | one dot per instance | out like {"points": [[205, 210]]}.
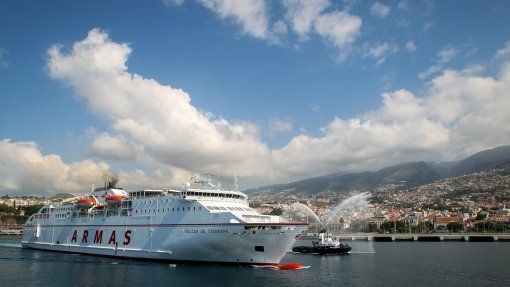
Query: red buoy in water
{"points": [[290, 266]]}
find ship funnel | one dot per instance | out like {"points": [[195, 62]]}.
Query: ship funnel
{"points": [[112, 183]]}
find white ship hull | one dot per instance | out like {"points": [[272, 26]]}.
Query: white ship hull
{"points": [[229, 243], [166, 227]]}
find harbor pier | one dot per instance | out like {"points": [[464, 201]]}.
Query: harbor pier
{"points": [[11, 229], [439, 237]]}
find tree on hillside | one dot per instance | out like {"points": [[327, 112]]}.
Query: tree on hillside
{"points": [[455, 227], [276, 211], [7, 209], [31, 209]]}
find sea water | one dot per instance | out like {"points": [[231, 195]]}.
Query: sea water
{"points": [[369, 264]]}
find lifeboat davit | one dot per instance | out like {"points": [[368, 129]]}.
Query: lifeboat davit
{"points": [[290, 266], [86, 202], [115, 199]]}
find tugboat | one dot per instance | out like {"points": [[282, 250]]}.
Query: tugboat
{"points": [[326, 246]]}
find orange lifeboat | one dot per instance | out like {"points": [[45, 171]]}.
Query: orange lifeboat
{"points": [[115, 199], [86, 202]]}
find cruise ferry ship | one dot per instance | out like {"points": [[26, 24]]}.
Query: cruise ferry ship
{"points": [[199, 223]]}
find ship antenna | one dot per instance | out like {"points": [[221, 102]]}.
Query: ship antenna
{"points": [[236, 182]]}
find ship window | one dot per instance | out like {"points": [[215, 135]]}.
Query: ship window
{"points": [[177, 208], [189, 208], [173, 209], [259, 248], [200, 208]]}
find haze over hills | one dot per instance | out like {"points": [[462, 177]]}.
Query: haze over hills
{"points": [[413, 174]]}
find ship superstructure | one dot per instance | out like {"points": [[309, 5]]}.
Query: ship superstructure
{"points": [[197, 223]]}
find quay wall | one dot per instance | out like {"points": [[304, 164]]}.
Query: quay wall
{"points": [[439, 237], [11, 229]]}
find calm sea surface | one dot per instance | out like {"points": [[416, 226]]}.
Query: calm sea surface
{"points": [[370, 264]]}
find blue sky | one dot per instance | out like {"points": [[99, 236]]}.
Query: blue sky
{"points": [[275, 91]]}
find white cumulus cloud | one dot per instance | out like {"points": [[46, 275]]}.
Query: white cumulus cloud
{"points": [[380, 10], [458, 113], [160, 125], [410, 46], [277, 125], [447, 54], [302, 15], [379, 51], [444, 56], [338, 28], [24, 170], [250, 14], [150, 121], [505, 51]]}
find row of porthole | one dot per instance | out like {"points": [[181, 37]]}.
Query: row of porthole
{"points": [[157, 210], [229, 208], [152, 202], [59, 209]]}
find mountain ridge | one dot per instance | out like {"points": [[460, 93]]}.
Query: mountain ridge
{"points": [[410, 173]]}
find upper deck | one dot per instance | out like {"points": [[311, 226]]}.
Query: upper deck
{"points": [[201, 202]]}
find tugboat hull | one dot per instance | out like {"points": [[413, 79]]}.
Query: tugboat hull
{"points": [[323, 250]]}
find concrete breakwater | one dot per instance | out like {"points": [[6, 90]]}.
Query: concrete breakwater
{"points": [[471, 237], [11, 229]]}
